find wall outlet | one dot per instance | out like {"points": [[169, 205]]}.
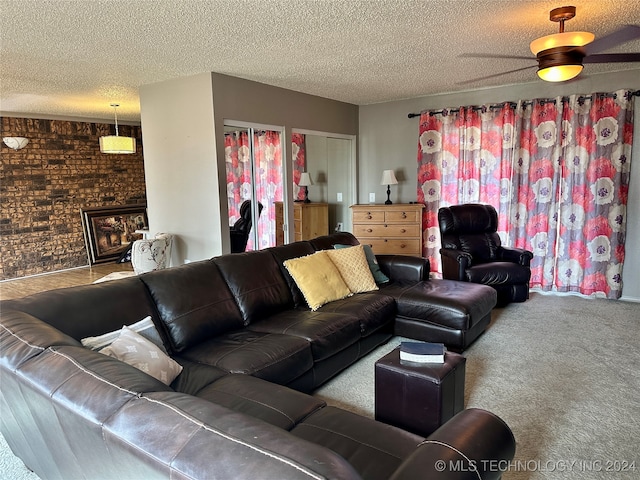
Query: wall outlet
{"points": [[372, 197], [339, 227], [339, 195]]}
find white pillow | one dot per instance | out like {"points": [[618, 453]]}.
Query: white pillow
{"points": [[144, 327], [132, 348]]}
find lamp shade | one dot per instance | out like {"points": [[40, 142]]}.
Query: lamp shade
{"points": [[16, 143], [117, 144], [559, 73], [305, 180], [565, 39], [388, 178]]}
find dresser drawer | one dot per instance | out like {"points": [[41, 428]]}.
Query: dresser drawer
{"points": [[368, 216], [402, 216], [386, 230], [394, 246]]}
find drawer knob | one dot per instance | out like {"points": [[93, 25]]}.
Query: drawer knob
{"points": [[402, 230], [368, 217], [385, 225], [386, 240], [404, 215], [402, 245], [369, 230]]}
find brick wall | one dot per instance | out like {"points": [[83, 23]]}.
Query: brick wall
{"points": [[44, 186]]}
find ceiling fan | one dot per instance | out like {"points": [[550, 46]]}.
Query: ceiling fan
{"points": [[561, 56]]}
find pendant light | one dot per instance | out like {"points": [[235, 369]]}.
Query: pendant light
{"points": [[560, 55], [115, 143]]}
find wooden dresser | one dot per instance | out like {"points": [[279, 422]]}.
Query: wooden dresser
{"points": [[389, 229], [310, 220]]}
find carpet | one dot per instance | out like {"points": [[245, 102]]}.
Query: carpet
{"points": [[562, 371]]}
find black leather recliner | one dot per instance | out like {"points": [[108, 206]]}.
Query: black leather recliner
{"points": [[472, 252], [240, 230]]}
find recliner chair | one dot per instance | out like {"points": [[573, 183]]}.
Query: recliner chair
{"points": [[239, 232], [472, 252]]}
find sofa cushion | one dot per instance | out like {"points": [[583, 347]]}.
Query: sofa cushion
{"points": [[325, 242], [373, 310], [256, 282], [374, 449], [328, 333], [354, 269], [137, 351], [194, 303], [195, 376], [498, 273], [109, 305], [273, 357], [286, 252], [274, 404], [318, 279], [197, 439]]}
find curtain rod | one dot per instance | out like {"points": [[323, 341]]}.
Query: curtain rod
{"points": [[498, 106]]}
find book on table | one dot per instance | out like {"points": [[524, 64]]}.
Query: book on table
{"points": [[422, 352]]}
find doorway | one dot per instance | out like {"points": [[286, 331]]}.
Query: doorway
{"points": [[254, 169]]}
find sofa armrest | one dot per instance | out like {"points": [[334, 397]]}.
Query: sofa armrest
{"points": [[404, 267], [454, 263], [516, 255], [473, 444]]}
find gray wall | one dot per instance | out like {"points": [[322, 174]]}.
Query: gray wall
{"points": [[183, 130], [389, 140]]}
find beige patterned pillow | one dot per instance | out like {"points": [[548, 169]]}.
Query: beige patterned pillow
{"points": [[353, 267], [132, 348]]}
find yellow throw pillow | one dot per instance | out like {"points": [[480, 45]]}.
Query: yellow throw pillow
{"points": [[353, 266], [317, 278]]}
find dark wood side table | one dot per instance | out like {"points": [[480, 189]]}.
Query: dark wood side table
{"points": [[418, 397]]}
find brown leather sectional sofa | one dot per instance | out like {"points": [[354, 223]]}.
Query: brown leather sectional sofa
{"points": [[249, 348]]}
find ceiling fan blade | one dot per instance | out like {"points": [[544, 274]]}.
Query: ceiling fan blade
{"points": [[490, 55], [612, 58], [477, 79], [623, 35]]}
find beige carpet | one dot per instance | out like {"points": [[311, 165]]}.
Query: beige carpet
{"points": [[563, 372]]}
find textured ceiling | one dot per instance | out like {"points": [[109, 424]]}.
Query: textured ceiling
{"points": [[73, 58]]}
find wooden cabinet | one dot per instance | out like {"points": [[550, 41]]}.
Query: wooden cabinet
{"points": [[310, 220], [389, 229]]}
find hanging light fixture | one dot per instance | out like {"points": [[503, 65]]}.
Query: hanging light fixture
{"points": [[115, 143], [560, 55]]}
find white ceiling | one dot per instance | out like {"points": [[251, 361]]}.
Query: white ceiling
{"points": [[74, 58]]}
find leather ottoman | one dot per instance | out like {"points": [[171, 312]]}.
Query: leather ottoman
{"points": [[444, 311], [418, 397]]}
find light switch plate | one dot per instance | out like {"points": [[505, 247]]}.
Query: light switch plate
{"points": [[339, 195], [372, 197]]}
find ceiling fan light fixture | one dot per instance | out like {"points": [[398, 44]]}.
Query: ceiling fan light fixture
{"points": [[560, 64], [566, 39], [559, 73]]}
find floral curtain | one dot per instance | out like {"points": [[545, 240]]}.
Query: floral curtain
{"points": [[267, 176], [557, 172], [299, 153]]}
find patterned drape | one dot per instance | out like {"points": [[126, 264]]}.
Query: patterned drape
{"points": [[299, 154], [267, 178], [557, 172]]}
